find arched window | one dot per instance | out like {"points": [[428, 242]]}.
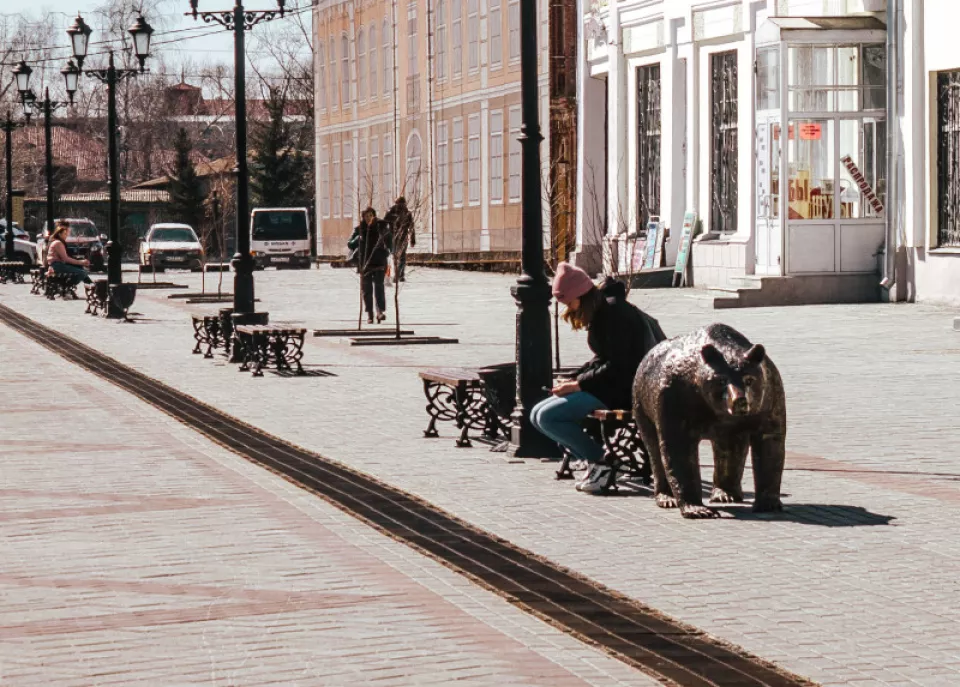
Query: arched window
{"points": [[373, 61], [322, 75], [411, 184], [361, 66], [345, 70], [387, 39], [441, 49]]}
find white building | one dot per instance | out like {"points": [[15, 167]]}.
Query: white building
{"points": [[768, 118]]}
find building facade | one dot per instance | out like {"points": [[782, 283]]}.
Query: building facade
{"points": [[421, 98], [767, 118]]}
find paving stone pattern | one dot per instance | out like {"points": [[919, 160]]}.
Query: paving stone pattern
{"points": [[137, 553], [856, 584]]}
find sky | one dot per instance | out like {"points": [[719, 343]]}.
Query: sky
{"points": [[186, 41]]}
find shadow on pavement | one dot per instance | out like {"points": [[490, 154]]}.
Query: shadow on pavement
{"points": [[823, 515]]}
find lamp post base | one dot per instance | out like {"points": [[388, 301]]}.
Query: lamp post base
{"points": [[534, 367]]}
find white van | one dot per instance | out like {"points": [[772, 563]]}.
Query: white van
{"points": [[280, 237]]}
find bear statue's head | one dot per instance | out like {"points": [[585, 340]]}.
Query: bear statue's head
{"points": [[733, 384]]}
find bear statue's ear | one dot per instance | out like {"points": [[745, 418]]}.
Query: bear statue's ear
{"points": [[756, 354], [711, 356]]}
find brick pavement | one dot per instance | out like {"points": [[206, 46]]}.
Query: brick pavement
{"points": [[855, 584], [136, 552]]}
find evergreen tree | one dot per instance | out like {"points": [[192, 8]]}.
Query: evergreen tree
{"points": [[186, 191], [279, 171]]}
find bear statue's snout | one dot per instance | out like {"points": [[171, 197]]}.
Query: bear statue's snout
{"points": [[737, 403]]}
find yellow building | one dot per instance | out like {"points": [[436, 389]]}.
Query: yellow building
{"points": [[421, 98]]}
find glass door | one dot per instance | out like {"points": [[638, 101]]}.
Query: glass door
{"points": [[768, 221]]}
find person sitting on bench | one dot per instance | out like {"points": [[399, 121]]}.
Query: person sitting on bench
{"points": [[620, 335], [58, 258]]}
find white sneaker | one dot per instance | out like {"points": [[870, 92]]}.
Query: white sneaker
{"points": [[598, 479]]}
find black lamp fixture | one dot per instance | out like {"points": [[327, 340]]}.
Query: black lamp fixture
{"points": [[22, 73], [71, 75], [79, 34], [141, 32]]}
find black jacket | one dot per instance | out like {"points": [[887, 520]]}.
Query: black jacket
{"points": [[620, 335], [373, 243], [400, 219]]}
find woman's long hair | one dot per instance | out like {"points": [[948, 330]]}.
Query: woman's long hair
{"points": [[59, 230], [582, 316]]}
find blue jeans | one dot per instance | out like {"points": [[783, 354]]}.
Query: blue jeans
{"points": [[77, 271], [560, 419]]}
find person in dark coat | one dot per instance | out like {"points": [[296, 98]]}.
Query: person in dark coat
{"points": [[401, 221], [620, 335], [372, 241]]}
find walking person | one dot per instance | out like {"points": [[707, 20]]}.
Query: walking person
{"points": [[59, 260], [372, 241], [400, 220], [620, 335]]}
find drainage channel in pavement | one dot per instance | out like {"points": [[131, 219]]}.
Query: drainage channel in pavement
{"points": [[638, 635]]}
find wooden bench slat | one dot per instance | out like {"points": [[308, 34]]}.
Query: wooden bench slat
{"points": [[452, 375]]}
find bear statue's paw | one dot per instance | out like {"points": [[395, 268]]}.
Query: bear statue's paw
{"points": [[721, 496], [666, 501], [767, 505], [698, 511]]}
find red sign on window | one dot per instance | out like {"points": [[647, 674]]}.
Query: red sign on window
{"points": [[811, 132]]}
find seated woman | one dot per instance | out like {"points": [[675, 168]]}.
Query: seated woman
{"points": [[60, 261], [619, 334]]}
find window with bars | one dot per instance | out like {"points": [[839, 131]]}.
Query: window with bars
{"points": [[496, 156], [456, 37], [516, 157], [948, 158], [495, 24], [473, 160], [473, 35], [335, 167], [441, 50], [513, 19], [373, 61], [443, 166], [412, 65], [345, 70], [457, 163], [325, 182], [723, 147], [648, 143]]}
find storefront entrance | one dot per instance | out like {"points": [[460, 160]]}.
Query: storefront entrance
{"points": [[820, 147]]}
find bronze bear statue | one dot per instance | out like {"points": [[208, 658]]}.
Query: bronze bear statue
{"points": [[711, 384]]}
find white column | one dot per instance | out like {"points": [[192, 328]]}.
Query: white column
{"points": [[616, 126]]}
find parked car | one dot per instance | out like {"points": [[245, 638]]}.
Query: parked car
{"points": [[84, 243], [24, 249], [171, 245]]}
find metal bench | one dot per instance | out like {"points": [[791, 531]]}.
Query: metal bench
{"points": [[12, 271], [62, 285], [100, 294], [622, 445], [207, 332], [266, 344], [38, 280], [456, 394]]}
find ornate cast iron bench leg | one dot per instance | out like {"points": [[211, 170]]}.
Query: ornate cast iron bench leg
{"points": [[463, 424], [293, 351], [260, 346], [199, 335], [565, 471], [430, 390], [242, 351]]}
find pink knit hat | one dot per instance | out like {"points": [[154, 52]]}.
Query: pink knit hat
{"points": [[570, 283]]}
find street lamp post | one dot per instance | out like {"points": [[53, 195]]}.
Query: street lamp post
{"points": [[48, 107], [79, 34], [9, 126], [532, 291], [239, 20]]}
